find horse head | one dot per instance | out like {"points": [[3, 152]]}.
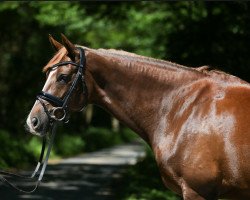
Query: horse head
{"points": [[64, 90]]}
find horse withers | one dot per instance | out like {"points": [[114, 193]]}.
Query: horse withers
{"points": [[195, 120]]}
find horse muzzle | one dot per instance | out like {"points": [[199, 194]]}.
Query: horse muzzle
{"points": [[37, 124]]}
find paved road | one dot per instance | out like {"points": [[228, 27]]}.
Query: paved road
{"points": [[89, 176]]}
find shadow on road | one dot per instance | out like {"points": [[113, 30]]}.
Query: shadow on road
{"points": [[71, 181], [91, 176]]}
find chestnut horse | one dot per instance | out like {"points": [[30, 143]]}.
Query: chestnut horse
{"points": [[195, 120]]}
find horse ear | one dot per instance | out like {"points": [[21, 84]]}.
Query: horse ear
{"points": [[69, 46], [56, 45]]}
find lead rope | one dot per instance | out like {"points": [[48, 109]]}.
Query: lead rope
{"points": [[35, 170], [44, 165]]}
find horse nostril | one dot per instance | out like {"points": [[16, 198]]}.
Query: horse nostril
{"points": [[34, 121]]}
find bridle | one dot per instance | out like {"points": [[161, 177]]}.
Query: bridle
{"points": [[61, 105]]}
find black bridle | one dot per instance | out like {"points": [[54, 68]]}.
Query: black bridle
{"points": [[60, 105]]}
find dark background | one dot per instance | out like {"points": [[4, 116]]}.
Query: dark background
{"points": [[189, 33]]}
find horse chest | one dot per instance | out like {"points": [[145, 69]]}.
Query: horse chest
{"points": [[168, 166]]}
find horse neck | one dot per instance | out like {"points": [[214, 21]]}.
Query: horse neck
{"points": [[133, 90]]}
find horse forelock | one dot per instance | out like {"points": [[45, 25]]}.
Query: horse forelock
{"points": [[55, 59]]}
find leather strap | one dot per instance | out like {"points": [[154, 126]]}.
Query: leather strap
{"points": [[44, 165], [60, 103], [63, 103], [50, 98]]}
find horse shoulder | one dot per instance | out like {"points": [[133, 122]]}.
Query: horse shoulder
{"points": [[183, 151]]}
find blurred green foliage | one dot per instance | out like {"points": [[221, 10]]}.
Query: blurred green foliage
{"points": [[11, 152], [191, 33], [25, 152], [96, 138], [67, 145]]}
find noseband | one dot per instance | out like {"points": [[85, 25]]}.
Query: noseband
{"points": [[61, 105]]}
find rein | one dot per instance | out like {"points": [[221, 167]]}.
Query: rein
{"points": [[40, 163], [61, 105]]}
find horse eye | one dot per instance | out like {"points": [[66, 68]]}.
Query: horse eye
{"points": [[63, 78]]}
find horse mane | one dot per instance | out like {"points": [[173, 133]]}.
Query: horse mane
{"points": [[140, 57], [118, 53], [205, 70], [136, 57]]}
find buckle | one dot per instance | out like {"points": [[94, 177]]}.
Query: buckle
{"points": [[58, 113]]}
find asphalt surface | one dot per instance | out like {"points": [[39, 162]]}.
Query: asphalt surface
{"points": [[91, 176]]}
